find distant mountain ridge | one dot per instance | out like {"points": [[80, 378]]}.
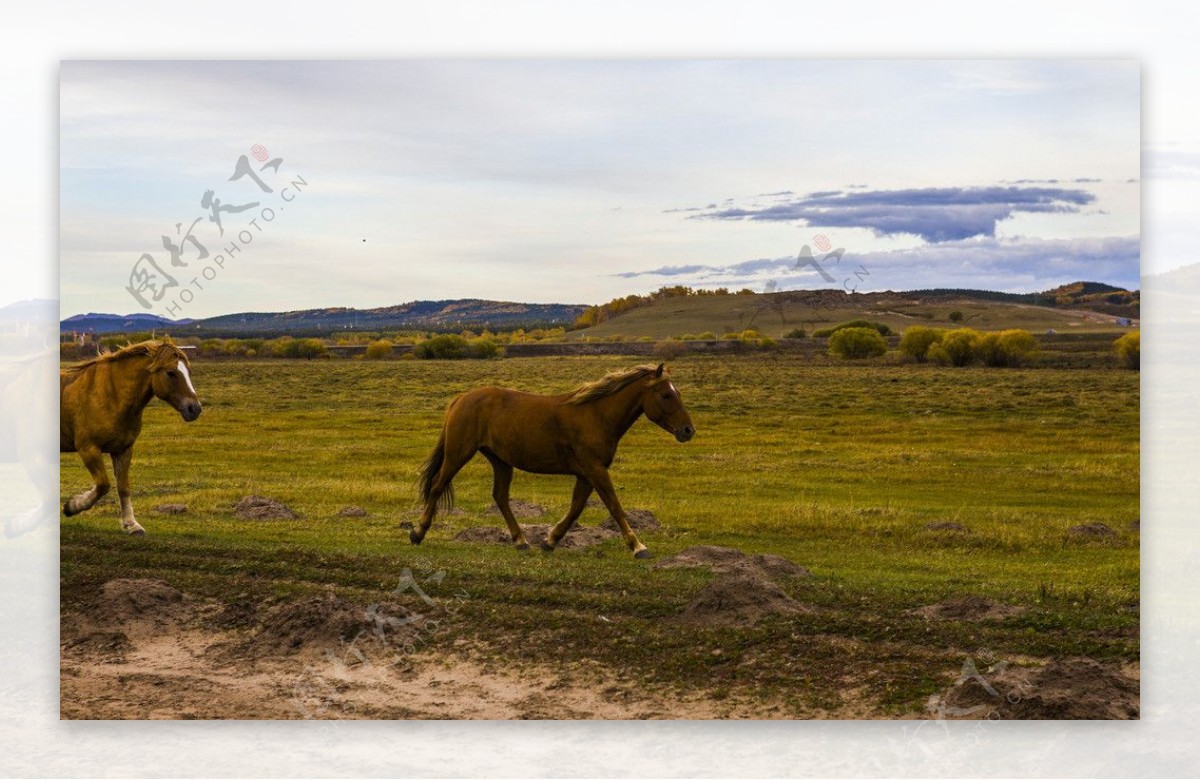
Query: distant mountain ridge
{"points": [[455, 314], [422, 315]]}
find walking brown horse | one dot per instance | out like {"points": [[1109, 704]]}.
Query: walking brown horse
{"points": [[576, 433], [101, 405]]}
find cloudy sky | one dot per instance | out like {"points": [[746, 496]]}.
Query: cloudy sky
{"points": [[574, 181]]}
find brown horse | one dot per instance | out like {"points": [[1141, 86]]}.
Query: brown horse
{"points": [[576, 433], [101, 405]]}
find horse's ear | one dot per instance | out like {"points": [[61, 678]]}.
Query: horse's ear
{"points": [[658, 371]]}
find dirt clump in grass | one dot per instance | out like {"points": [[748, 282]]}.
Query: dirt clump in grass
{"points": [[262, 508], [1071, 689], [170, 509], [352, 511], [522, 510], [740, 598], [123, 608], [640, 520], [968, 608], [948, 527], [1098, 530], [729, 559], [321, 622]]}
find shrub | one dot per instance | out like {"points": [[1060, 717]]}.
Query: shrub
{"points": [[796, 333], [917, 340], [708, 335], [485, 349], [1006, 349], [445, 347], [856, 343], [378, 350], [302, 348], [1129, 350], [879, 327], [957, 347], [956, 316]]}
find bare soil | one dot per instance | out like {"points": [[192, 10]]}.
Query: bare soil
{"points": [[968, 608], [728, 559], [1072, 689], [740, 598], [148, 652], [262, 508]]}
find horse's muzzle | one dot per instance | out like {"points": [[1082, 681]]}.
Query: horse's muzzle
{"points": [[685, 434], [189, 410]]}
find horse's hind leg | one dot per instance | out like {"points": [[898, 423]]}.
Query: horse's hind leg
{"points": [[579, 498], [93, 460], [503, 474], [121, 462]]}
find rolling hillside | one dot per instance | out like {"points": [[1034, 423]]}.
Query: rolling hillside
{"points": [[779, 313]]}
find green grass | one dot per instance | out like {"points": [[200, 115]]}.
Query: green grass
{"points": [[835, 467]]}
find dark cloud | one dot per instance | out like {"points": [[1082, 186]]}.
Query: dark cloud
{"points": [[936, 214]]}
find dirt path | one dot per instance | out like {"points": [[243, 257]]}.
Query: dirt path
{"points": [[186, 676]]}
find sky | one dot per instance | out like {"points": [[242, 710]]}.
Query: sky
{"points": [[580, 181]]}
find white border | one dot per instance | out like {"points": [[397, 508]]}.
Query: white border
{"points": [[36, 37]]}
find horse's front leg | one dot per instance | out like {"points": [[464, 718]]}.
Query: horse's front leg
{"points": [[93, 460], [600, 480], [121, 462], [579, 498]]}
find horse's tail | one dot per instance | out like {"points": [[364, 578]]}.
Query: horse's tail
{"points": [[430, 470]]}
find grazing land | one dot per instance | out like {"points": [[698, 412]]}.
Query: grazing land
{"points": [[928, 516]]}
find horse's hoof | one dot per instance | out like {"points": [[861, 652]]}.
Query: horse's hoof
{"points": [[643, 553], [137, 531], [547, 547], [522, 545], [414, 537], [67, 509]]}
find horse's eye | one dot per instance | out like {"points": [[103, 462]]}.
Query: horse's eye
{"points": [[666, 396], [171, 374]]}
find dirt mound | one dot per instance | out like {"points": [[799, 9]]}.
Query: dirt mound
{"points": [[352, 511], [82, 638], [968, 608], [535, 534], [740, 598], [1136, 525], [321, 622], [124, 601], [261, 508], [521, 510], [1074, 689], [489, 534], [728, 559], [170, 509], [948, 527], [640, 520], [1095, 530]]}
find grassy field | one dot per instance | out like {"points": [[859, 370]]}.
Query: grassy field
{"points": [[836, 467]]}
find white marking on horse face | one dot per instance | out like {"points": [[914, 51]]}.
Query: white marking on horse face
{"points": [[187, 377], [672, 386]]}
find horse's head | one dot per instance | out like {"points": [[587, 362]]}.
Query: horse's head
{"points": [[171, 381], [664, 407]]}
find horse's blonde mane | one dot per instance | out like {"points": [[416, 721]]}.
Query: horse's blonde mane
{"points": [[161, 354], [611, 383]]}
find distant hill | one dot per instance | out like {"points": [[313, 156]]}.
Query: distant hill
{"points": [[416, 315], [1071, 308], [118, 323]]}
